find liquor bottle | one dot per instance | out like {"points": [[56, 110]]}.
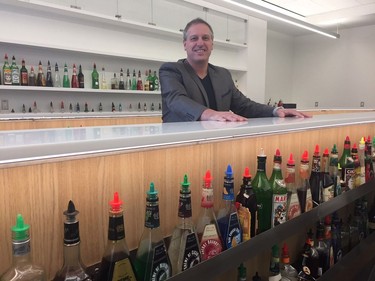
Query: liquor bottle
{"points": [[333, 168], [336, 238], [75, 83], [293, 206], [86, 107], [152, 261], [322, 249], [344, 156], [279, 192], [49, 82], [287, 271], [128, 82], [263, 193], [360, 169], [371, 219], [310, 260], [114, 82], [150, 80], [328, 239], [303, 189], [103, 80], [247, 210], [66, 80], [328, 185], [95, 78], [57, 78], [24, 74], [315, 179], [23, 268], [227, 218], [51, 110], [183, 250], [113, 107], [116, 264], [146, 84], [134, 81], [349, 170], [155, 81], [32, 80], [369, 168], [121, 84], [274, 271], [208, 232], [81, 78], [7, 72], [241, 273], [41, 79], [256, 277], [139, 82], [15, 72], [73, 268]]}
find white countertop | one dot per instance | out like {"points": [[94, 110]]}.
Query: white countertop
{"points": [[19, 146]]}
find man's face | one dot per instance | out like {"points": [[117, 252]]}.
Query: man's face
{"points": [[198, 44]]}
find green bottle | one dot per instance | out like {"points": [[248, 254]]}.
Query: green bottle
{"points": [[344, 156], [263, 193], [22, 269], [152, 257], [155, 81], [134, 81], [279, 192], [150, 80], [95, 78], [7, 72], [66, 81]]}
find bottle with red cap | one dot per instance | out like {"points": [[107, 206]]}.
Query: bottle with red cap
{"points": [[315, 179], [328, 185], [293, 206], [210, 242], [116, 263], [288, 272], [303, 189], [279, 192], [247, 207]]}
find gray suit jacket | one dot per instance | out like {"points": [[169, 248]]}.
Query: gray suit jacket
{"points": [[184, 97]]}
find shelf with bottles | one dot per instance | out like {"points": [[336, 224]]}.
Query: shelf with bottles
{"points": [[231, 258]]}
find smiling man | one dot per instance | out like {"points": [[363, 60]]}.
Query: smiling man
{"points": [[193, 89]]}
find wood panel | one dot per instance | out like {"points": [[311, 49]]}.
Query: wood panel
{"points": [[41, 191]]}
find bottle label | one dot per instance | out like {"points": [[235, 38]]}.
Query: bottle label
{"points": [[230, 230], [123, 271], [244, 216], [24, 78], [152, 219], [21, 248], [328, 193], [210, 244], [349, 177], [309, 201], [184, 208], [294, 208], [116, 229], [15, 77], [161, 266], [191, 255], [228, 190], [7, 76], [279, 209], [207, 198]]}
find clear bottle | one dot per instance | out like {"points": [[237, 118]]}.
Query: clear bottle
{"points": [[274, 271], [121, 84], [293, 206], [15, 72], [24, 75], [73, 267], [287, 271], [66, 80], [49, 82], [81, 78], [114, 82], [227, 217], [279, 192], [263, 193], [128, 82], [152, 257], [116, 264], [328, 185], [75, 83], [146, 84], [23, 268], [183, 249], [7, 72], [315, 179], [103, 80], [247, 210], [95, 78], [57, 78], [207, 229], [303, 189]]}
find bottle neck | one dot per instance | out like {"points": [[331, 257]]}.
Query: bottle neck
{"points": [[116, 228], [72, 254], [152, 219], [21, 252]]}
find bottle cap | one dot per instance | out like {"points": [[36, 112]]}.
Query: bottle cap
{"points": [[229, 172], [152, 193], [326, 153], [334, 149], [305, 156], [71, 212], [185, 185], [207, 179], [116, 202], [316, 151], [20, 231], [242, 272], [71, 226], [291, 160], [246, 173]]}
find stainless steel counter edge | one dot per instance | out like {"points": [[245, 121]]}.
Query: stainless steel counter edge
{"points": [[19, 146]]}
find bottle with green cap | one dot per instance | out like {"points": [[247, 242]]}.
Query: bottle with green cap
{"points": [[183, 250], [152, 260], [116, 264], [22, 267], [241, 273], [274, 272], [73, 267]]}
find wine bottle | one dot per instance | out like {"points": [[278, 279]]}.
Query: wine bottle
{"points": [[24, 74], [94, 78], [81, 78], [75, 83]]}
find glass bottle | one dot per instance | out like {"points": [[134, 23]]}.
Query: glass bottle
{"points": [[360, 169], [183, 249], [241, 273], [139, 82], [322, 249], [81, 78], [279, 192], [207, 229], [116, 264], [150, 81], [263, 193], [66, 80], [247, 209], [114, 82], [336, 238], [7, 72], [328, 185], [287, 271], [344, 156], [128, 84], [94, 78], [303, 190], [40, 80], [349, 170], [22, 268], [73, 268], [227, 217], [333, 168], [57, 79], [369, 168], [103, 80], [49, 82], [75, 83], [15, 72], [24, 74], [152, 261], [293, 206], [274, 271], [155, 81], [328, 239], [32, 80], [134, 81], [121, 84], [310, 260], [146, 84], [315, 179]]}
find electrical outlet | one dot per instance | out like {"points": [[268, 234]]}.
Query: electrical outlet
{"points": [[4, 105], [362, 104], [316, 104]]}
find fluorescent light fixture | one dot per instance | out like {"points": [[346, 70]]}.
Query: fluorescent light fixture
{"points": [[281, 17]]}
